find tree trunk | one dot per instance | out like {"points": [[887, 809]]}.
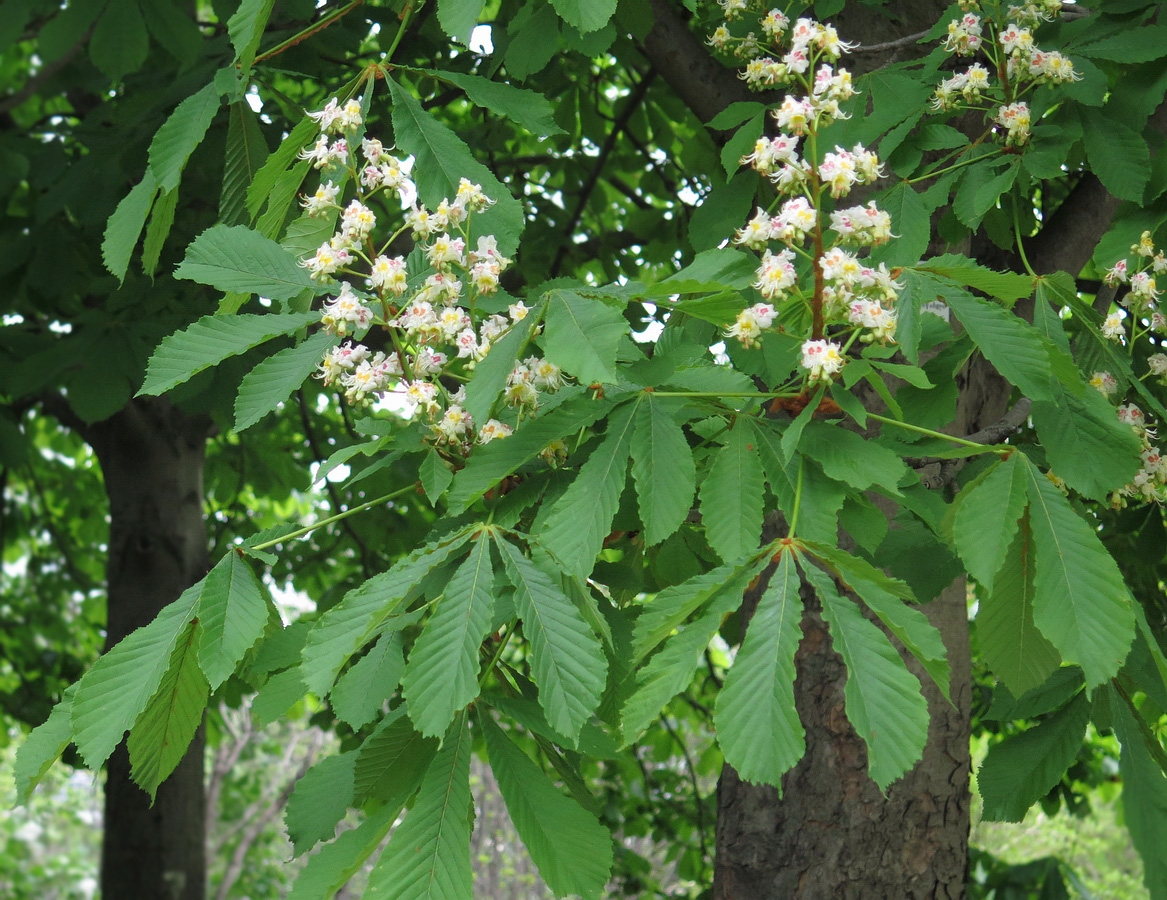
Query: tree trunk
{"points": [[151, 456]]}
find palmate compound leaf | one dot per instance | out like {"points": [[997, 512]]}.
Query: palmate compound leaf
{"points": [[343, 630], [1023, 768], [757, 725], [428, 857], [526, 108], [986, 519], [671, 668], [1081, 603], [571, 848], [575, 529], [362, 690], [1015, 650], [211, 340], [883, 698], [233, 611], [671, 607], [112, 695], [889, 599], [566, 657], [662, 468], [275, 379], [160, 736], [731, 495], [442, 675], [320, 800]]}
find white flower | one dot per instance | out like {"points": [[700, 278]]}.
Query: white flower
{"points": [[389, 274], [1112, 328], [493, 430], [323, 200], [821, 358]]}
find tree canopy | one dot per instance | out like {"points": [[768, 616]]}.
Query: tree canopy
{"points": [[774, 385]]}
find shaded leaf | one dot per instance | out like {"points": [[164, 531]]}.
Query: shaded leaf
{"points": [[235, 258], [275, 379], [180, 134], [731, 496], [663, 469], [361, 692], [320, 800]]}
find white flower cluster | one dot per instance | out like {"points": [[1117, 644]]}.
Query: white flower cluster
{"points": [[848, 295], [1150, 482], [1010, 48], [437, 320], [1143, 294]]}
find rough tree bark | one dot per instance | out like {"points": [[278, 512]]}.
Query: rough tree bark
{"points": [[830, 833], [151, 457]]}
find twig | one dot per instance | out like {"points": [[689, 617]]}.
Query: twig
{"points": [[890, 45], [34, 83]]}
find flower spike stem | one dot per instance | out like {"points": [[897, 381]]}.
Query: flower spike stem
{"points": [[336, 518]]}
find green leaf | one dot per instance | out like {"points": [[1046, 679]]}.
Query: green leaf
{"points": [[235, 258], [583, 334], [572, 850], [566, 657], [119, 44], [575, 529], [715, 595], [161, 221], [278, 694], [392, 761], [320, 800], [1024, 768], [491, 372], [1117, 153], [43, 747], [1144, 799], [125, 225], [441, 159], [1012, 646], [848, 457], [112, 695], [883, 698], [233, 611], [586, 15], [742, 143], [277, 164], [986, 519], [362, 690], [711, 270], [528, 109], [889, 599], [435, 475], [1006, 286], [663, 469], [328, 870], [245, 28], [490, 464], [272, 381], [909, 220], [1081, 603], [1015, 348], [442, 675], [757, 725], [1133, 45], [163, 731], [180, 134], [989, 193], [669, 609], [458, 18], [428, 857], [246, 153], [731, 496], [1085, 443], [177, 32], [211, 340], [344, 629]]}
